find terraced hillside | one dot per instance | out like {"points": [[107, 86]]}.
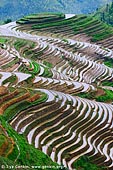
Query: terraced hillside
{"points": [[56, 92]]}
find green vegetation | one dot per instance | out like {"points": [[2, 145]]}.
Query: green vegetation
{"points": [[65, 40], [60, 23], [25, 47], [40, 18], [109, 62], [90, 25], [2, 139], [94, 28], [3, 40], [84, 163], [19, 43], [108, 83], [23, 153], [7, 21], [34, 69], [87, 95], [47, 72], [25, 7], [48, 64], [11, 80], [106, 33], [35, 66], [24, 103], [107, 97], [105, 13], [11, 63], [5, 162]]}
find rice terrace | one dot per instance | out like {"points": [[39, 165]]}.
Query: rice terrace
{"points": [[56, 93]]}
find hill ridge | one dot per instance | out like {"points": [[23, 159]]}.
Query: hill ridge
{"points": [[25, 7]]}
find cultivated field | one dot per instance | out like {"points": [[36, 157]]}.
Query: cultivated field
{"points": [[56, 90]]}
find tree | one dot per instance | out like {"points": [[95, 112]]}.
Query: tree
{"points": [[107, 7], [103, 16], [7, 21], [112, 4]]}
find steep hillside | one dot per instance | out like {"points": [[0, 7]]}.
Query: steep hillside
{"points": [[25, 7], [16, 153], [105, 14], [56, 93]]}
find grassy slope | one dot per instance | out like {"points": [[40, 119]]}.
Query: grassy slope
{"points": [[105, 13], [28, 156]]}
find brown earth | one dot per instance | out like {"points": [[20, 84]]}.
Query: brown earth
{"points": [[3, 90]]}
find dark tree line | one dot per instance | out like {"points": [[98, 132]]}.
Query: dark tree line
{"points": [[106, 15]]}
